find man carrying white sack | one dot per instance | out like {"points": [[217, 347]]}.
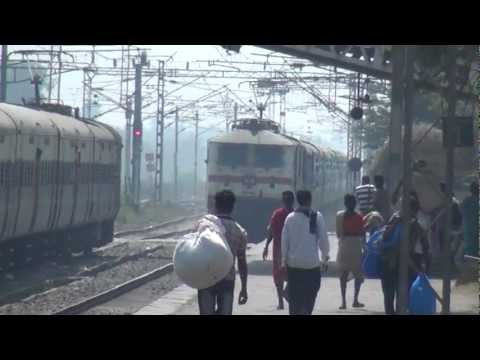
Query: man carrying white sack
{"points": [[218, 299]]}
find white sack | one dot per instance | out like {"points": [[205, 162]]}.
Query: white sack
{"points": [[205, 259]]}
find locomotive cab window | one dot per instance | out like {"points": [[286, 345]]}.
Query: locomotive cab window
{"points": [[269, 156], [232, 155]]}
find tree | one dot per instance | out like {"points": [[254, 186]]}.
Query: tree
{"points": [[376, 120], [429, 106]]}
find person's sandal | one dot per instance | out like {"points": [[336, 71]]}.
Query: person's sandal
{"points": [[358, 305]]}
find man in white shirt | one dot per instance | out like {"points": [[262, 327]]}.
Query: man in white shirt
{"points": [[303, 234]]}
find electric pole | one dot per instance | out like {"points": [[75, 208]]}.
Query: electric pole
{"points": [[195, 176], [449, 176], [137, 132], [175, 158], [160, 133], [395, 138], [128, 149], [408, 93], [235, 112], [59, 73], [50, 76], [3, 74]]}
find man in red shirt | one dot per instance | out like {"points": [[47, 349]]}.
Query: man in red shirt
{"points": [[274, 232]]}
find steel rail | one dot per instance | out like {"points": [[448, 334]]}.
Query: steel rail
{"points": [[117, 291]]}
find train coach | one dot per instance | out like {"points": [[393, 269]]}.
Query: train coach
{"points": [[258, 163], [59, 183]]}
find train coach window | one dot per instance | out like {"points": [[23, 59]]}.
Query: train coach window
{"points": [[269, 156], [26, 175], [232, 154]]}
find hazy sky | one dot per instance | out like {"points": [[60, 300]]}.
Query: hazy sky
{"points": [[302, 121]]}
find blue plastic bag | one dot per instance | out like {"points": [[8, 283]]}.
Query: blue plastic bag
{"points": [[422, 298], [371, 260], [394, 237]]}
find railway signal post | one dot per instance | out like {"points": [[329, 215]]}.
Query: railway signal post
{"points": [[195, 164], [160, 129], [128, 144], [137, 133], [175, 159]]}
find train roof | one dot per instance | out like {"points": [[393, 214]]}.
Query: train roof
{"points": [[38, 121]]}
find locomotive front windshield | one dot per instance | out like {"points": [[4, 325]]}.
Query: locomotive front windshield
{"points": [[269, 156], [232, 155]]}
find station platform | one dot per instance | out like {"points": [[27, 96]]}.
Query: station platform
{"points": [[262, 299]]}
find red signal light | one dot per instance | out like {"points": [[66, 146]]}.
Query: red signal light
{"points": [[137, 132]]}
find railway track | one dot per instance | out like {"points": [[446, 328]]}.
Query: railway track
{"points": [[157, 227], [122, 258], [106, 296]]}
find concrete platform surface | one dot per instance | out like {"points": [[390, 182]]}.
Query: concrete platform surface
{"points": [[262, 295]]}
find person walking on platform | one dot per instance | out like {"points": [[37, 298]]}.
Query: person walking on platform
{"points": [[218, 299], [470, 221], [303, 234], [418, 253], [274, 232], [351, 239], [365, 194], [381, 200]]}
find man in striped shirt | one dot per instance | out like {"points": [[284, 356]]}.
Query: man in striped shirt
{"points": [[365, 195]]}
